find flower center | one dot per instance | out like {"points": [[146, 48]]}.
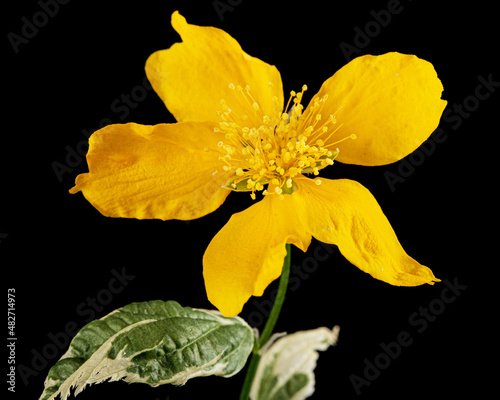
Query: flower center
{"points": [[282, 147]]}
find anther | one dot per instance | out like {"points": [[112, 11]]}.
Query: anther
{"points": [[272, 153]]}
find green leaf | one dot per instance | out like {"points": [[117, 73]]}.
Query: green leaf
{"points": [[286, 367], [153, 342]]}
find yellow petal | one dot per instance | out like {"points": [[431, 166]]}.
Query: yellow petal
{"points": [[392, 103], [163, 171], [344, 213], [193, 76], [248, 252]]}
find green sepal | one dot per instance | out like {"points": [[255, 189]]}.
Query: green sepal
{"points": [[241, 185], [286, 190], [309, 170]]}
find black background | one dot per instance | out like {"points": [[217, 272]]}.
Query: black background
{"points": [[58, 252]]}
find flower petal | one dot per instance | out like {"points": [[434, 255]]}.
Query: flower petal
{"points": [[344, 213], [163, 171], [193, 76], [248, 252], [392, 103]]}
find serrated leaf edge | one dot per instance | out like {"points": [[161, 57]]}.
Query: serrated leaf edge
{"points": [[79, 378], [99, 368]]}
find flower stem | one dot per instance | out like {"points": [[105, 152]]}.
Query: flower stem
{"points": [[268, 329]]}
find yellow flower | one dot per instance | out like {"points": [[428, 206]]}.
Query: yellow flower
{"points": [[235, 133]]}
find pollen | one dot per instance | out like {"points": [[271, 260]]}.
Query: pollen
{"points": [[268, 156]]}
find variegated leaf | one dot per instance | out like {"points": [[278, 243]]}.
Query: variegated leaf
{"points": [[286, 369], [153, 342]]}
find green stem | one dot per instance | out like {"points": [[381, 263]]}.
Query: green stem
{"points": [[252, 369], [268, 329], [280, 299]]}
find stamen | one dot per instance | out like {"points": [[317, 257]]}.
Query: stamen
{"points": [[332, 133], [292, 95], [353, 136], [279, 148]]}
